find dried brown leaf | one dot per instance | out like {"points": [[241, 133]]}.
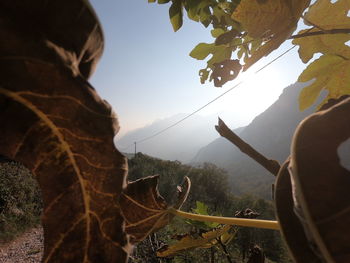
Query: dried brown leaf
{"points": [[144, 209], [59, 128]]}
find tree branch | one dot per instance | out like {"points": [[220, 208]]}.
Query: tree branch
{"points": [[271, 165], [323, 32]]}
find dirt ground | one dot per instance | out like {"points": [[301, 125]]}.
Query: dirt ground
{"points": [[27, 248]]}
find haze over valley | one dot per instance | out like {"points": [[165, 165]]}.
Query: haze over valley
{"points": [[195, 141]]}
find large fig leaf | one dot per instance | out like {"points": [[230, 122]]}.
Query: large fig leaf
{"points": [[331, 70], [325, 44], [144, 209], [59, 128], [331, 73], [333, 44], [272, 21]]}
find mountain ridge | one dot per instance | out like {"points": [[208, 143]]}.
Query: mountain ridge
{"points": [[270, 133]]}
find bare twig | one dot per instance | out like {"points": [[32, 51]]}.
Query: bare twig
{"points": [[212, 255], [224, 249], [271, 165]]}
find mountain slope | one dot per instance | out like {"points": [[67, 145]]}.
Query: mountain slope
{"points": [[270, 133]]}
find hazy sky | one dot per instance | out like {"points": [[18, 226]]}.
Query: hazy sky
{"points": [[146, 73]]}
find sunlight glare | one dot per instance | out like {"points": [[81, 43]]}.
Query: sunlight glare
{"points": [[254, 95]]}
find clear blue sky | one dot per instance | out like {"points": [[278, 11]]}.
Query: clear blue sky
{"points": [[147, 74]]}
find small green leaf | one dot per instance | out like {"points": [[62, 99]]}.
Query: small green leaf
{"points": [[217, 32], [202, 50], [240, 52], [220, 54], [162, 1], [151, 1], [201, 208], [175, 13], [192, 8], [204, 16], [206, 23]]}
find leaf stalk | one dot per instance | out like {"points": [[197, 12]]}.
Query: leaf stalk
{"points": [[321, 32], [258, 223]]}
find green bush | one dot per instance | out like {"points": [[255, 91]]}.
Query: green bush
{"points": [[20, 200]]}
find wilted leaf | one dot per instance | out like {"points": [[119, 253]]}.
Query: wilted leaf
{"points": [[62, 131], [175, 13], [228, 236], [256, 255], [206, 240], [247, 213], [225, 71], [144, 210], [333, 44], [331, 73], [204, 74]]}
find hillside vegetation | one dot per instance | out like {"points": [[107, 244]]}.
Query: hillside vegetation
{"points": [[210, 185]]}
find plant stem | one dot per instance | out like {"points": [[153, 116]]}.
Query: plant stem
{"points": [[224, 249], [323, 32], [267, 224], [212, 255]]}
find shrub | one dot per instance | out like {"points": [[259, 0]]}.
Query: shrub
{"points": [[20, 200]]}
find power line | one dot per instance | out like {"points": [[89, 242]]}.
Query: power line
{"points": [[210, 102]]}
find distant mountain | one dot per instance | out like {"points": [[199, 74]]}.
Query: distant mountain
{"points": [[181, 143], [215, 151], [270, 133]]}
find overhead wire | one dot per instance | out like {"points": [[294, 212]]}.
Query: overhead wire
{"points": [[208, 103]]}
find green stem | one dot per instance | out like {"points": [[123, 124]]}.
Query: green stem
{"points": [[268, 224]]}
